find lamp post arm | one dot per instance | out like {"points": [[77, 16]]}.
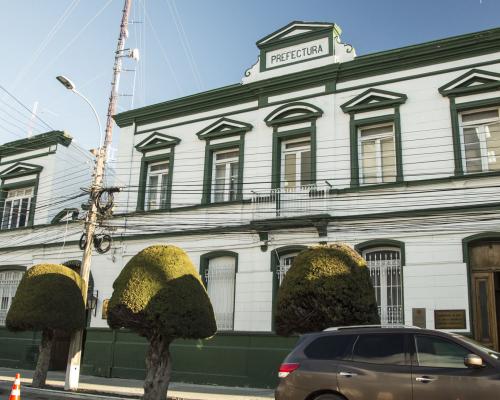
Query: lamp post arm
{"points": [[95, 114]]}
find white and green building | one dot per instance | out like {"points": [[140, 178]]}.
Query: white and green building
{"points": [[396, 153]]}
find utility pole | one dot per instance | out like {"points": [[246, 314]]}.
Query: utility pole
{"points": [[75, 348]]}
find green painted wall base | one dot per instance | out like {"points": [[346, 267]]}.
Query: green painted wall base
{"points": [[18, 350], [230, 359]]}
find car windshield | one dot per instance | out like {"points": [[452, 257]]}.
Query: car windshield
{"points": [[479, 346]]}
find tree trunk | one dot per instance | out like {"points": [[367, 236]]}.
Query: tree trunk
{"points": [[42, 365], [158, 368]]}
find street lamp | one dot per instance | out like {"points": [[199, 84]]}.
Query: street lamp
{"points": [[75, 346], [68, 84]]}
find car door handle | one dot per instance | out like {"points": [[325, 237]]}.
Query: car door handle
{"points": [[425, 379], [347, 374]]}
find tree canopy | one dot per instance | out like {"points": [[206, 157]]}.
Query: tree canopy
{"points": [[327, 285], [49, 296], [159, 291]]}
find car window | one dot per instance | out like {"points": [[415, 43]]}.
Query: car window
{"points": [[380, 349], [330, 347], [493, 354], [433, 351]]}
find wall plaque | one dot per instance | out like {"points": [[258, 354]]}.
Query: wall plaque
{"points": [[449, 319], [418, 319], [105, 309]]}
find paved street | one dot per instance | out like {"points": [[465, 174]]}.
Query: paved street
{"points": [[52, 394]]}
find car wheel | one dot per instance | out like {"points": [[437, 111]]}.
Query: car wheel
{"points": [[329, 396]]}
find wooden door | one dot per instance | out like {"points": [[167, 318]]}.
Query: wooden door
{"points": [[484, 309]]}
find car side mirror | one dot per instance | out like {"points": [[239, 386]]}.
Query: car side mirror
{"points": [[473, 361]]}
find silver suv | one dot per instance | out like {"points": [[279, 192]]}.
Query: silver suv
{"points": [[381, 363]]}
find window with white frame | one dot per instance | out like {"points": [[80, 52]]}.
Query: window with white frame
{"points": [[480, 138], [17, 206], [9, 281], [225, 177], [296, 163], [377, 161], [285, 262], [384, 265], [220, 277], [157, 185]]}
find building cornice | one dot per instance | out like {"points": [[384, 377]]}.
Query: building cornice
{"points": [[35, 142], [404, 58]]}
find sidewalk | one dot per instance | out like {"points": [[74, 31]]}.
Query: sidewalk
{"points": [[133, 388]]}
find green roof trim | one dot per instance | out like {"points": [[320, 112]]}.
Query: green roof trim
{"points": [[35, 142], [435, 52]]}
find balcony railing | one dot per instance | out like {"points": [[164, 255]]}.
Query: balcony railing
{"points": [[289, 202]]}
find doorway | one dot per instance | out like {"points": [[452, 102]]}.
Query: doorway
{"points": [[484, 264]]}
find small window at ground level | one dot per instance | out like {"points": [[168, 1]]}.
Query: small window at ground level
{"points": [[380, 349], [439, 353], [330, 347], [9, 281]]}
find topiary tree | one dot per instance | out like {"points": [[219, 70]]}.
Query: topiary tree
{"points": [[327, 285], [159, 295], [48, 299]]}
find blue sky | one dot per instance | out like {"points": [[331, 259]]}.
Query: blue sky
{"points": [[186, 46]]}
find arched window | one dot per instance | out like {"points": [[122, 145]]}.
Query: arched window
{"points": [[218, 270], [281, 261], [384, 264], [385, 260], [9, 281]]}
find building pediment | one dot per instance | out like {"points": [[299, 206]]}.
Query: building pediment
{"points": [[20, 169], [473, 81], [157, 140], [224, 127], [297, 46], [295, 29], [372, 99]]}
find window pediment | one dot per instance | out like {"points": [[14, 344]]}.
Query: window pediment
{"points": [[373, 99], [223, 127], [473, 81], [156, 141], [293, 112], [20, 169]]}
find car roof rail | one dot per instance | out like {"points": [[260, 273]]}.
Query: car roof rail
{"points": [[339, 328]]}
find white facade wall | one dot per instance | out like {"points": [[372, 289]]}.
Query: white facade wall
{"points": [[435, 275]]}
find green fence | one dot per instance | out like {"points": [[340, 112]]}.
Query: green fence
{"points": [[18, 350], [231, 359]]}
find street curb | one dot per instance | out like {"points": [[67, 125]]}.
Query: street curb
{"points": [[79, 395], [64, 394]]}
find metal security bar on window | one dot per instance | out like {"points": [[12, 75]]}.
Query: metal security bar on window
{"points": [[284, 265], [9, 281], [385, 272], [220, 278]]}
